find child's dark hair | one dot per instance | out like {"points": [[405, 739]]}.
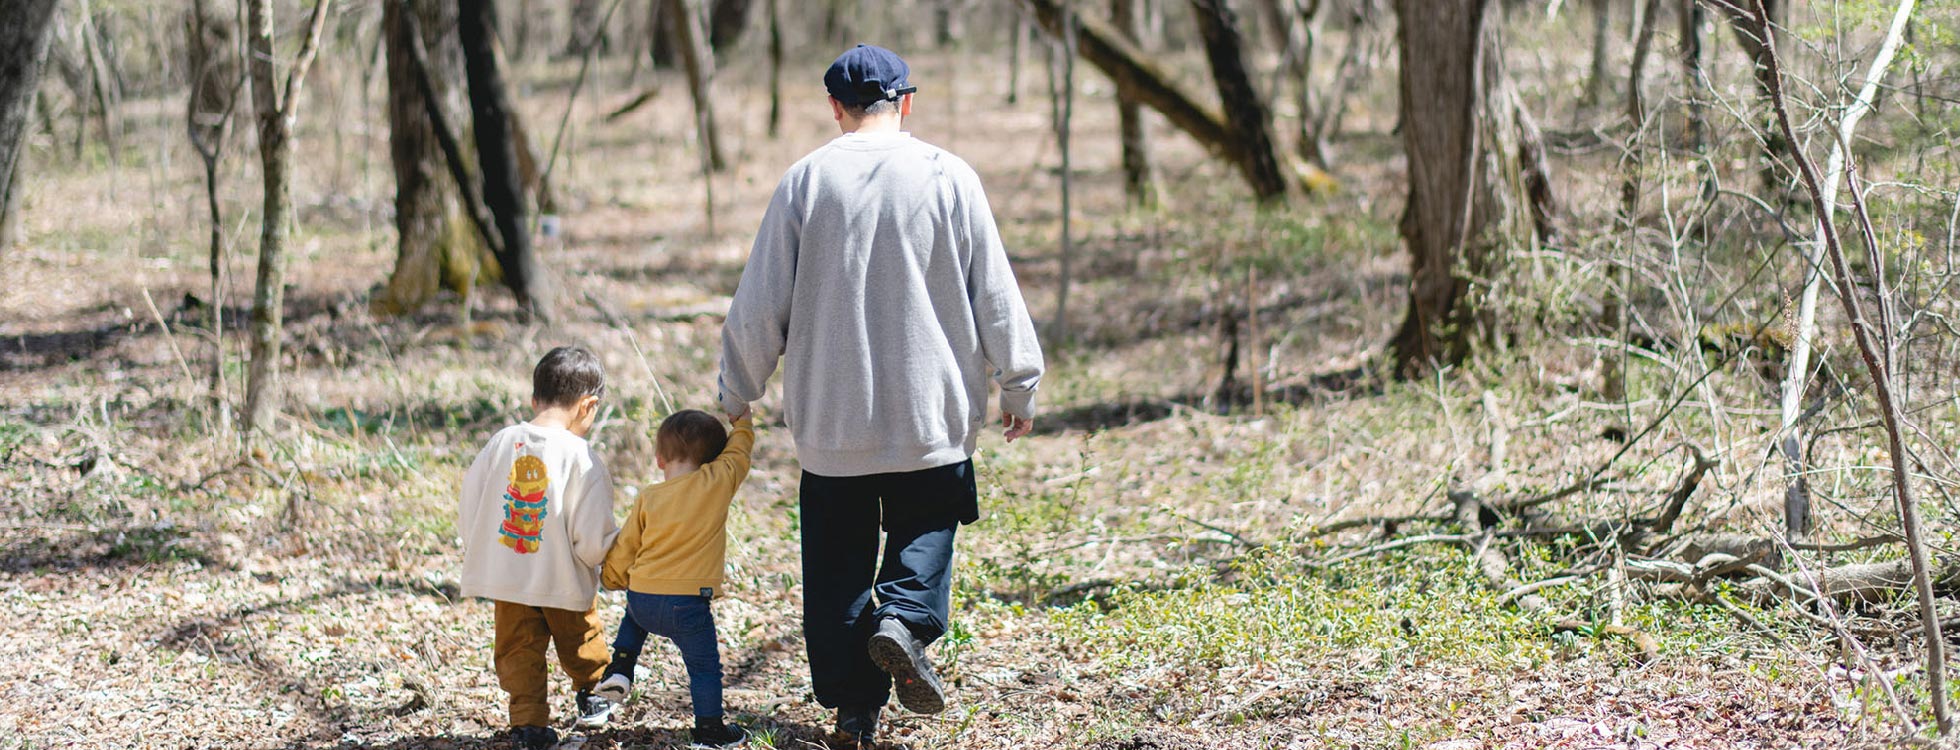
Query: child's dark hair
{"points": [[690, 435], [565, 375]]}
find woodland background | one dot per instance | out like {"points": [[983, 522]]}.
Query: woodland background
{"points": [[1427, 373]]}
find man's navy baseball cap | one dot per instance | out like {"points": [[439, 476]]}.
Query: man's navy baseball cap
{"points": [[866, 74]]}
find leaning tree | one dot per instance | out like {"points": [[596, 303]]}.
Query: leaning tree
{"points": [[499, 148], [1471, 151]]}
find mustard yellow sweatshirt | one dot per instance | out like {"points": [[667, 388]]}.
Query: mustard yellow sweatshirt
{"points": [[676, 540]]}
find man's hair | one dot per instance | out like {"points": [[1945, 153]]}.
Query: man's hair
{"points": [[690, 435], [566, 375], [880, 107]]}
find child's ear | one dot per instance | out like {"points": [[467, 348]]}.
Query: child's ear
{"points": [[905, 106], [588, 405]]}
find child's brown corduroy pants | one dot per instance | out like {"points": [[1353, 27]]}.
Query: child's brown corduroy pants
{"points": [[523, 634]]}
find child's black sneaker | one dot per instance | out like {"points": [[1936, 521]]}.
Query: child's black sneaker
{"points": [[857, 728], [894, 649], [713, 733], [535, 738], [593, 711]]}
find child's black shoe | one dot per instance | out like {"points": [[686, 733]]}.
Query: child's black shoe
{"points": [[535, 738], [856, 728], [713, 733], [593, 710]]}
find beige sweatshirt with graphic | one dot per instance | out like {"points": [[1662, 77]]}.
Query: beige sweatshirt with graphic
{"points": [[535, 516]]}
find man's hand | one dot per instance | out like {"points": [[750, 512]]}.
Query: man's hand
{"points": [[1016, 426]]}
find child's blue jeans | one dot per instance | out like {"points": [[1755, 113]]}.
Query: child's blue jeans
{"points": [[685, 620]]}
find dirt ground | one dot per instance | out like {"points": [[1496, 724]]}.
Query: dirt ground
{"points": [[1139, 580]]}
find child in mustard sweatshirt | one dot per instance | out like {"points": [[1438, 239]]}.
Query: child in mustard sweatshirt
{"points": [[669, 560]]}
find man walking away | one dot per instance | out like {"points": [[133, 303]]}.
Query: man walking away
{"points": [[879, 279]]}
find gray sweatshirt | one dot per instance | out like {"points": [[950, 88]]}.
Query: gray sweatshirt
{"points": [[879, 279]]}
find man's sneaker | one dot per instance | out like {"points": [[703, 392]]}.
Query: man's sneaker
{"points": [[593, 711], [895, 650], [614, 688], [856, 728], [712, 733], [535, 738]]}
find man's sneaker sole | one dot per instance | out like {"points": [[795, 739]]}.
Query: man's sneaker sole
{"points": [[917, 688]]}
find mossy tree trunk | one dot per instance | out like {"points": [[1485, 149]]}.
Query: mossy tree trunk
{"points": [[436, 247]]}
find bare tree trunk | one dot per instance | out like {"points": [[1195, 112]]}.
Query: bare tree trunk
{"points": [[435, 247], [1691, 23], [1643, 43], [216, 83], [775, 67], [1602, 48], [1759, 47], [1017, 43], [1459, 121], [588, 28], [683, 21], [1796, 503], [727, 19], [1355, 67], [24, 39], [107, 96], [1064, 110], [497, 154], [1139, 182], [1246, 114], [1138, 78], [276, 108]]}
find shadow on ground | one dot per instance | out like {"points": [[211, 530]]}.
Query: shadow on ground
{"points": [[1103, 415]]}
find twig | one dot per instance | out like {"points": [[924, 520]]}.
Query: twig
{"points": [[1236, 539], [614, 321], [1682, 491], [168, 336], [1395, 545], [1532, 588], [565, 120], [1851, 546]]}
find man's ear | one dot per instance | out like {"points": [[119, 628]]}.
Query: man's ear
{"points": [[836, 109], [905, 105]]}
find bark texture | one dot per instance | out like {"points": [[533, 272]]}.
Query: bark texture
{"points": [[275, 106], [498, 153], [1469, 146], [1138, 182], [25, 27], [436, 248], [1139, 79], [1247, 117]]}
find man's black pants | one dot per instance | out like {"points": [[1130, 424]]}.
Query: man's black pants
{"points": [[918, 512]]}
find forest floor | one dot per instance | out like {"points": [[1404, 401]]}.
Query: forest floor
{"points": [[1149, 573]]}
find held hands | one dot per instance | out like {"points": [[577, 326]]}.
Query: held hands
{"points": [[1016, 427]]}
